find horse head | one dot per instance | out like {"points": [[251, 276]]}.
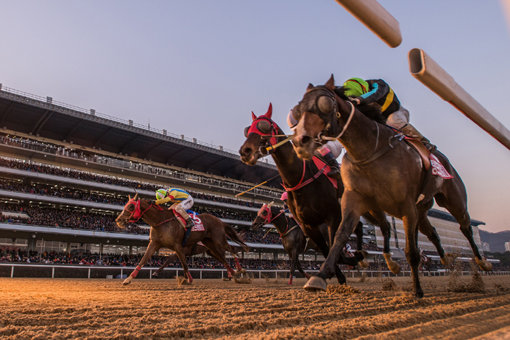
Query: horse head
{"points": [[322, 115], [260, 135], [264, 216], [132, 211]]}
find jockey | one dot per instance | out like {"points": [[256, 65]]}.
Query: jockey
{"points": [[181, 201], [376, 93], [329, 152]]}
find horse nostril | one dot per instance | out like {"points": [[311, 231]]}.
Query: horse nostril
{"points": [[246, 151], [305, 140]]}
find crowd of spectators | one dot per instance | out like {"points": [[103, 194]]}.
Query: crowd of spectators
{"points": [[118, 162], [87, 176], [87, 259]]}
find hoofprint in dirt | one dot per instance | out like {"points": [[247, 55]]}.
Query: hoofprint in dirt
{"points": [[59, 308]]}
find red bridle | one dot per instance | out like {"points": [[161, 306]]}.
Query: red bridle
{"points": [[269, 216], [137, 213]]}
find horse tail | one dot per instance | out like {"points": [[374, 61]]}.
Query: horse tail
{"points": [[234, 236]]}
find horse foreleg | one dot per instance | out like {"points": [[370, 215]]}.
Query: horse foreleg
{"points": [[293, 259], [238, 265], [352, 203], [151, 248], [184, 263], [298, 264]]}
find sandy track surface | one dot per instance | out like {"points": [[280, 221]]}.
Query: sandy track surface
{"points": [[98, 309]]}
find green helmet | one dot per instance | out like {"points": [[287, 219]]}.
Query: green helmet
{"points": [[160, 193], [355, 87]]}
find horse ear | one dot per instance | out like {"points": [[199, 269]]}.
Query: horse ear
{"points": [[270, 204], [330, 84], [310, 86], [269, 112], [136, 196], [253, 117]]}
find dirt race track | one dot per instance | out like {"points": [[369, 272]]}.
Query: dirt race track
{"points": [[98, 309]]}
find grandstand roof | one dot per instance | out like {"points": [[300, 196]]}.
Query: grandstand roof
{"points": [[43, 117]]}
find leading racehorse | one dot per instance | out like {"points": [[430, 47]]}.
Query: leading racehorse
{"points": [[313, 200], [166, 231], [380, 172]]}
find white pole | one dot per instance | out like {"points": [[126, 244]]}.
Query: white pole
{"points": [[376, 18], [426, 70]]}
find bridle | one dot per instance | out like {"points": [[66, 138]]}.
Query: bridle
{"points": [[322, 136], [259, 126], [268, 219], [137, 212]]}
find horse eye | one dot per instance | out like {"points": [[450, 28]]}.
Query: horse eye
{"points": [[264, 126], [246, 129], [264, 213], [130, 207]]}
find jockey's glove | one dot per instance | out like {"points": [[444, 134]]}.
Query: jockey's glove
{"points": [[163, 200]]}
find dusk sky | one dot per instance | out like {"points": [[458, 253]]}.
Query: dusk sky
{"points": [[199, 67]]}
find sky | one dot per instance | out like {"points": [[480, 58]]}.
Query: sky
{"points": [[200, 67]]}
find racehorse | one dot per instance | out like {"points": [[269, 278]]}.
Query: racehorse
{"points": [[312, 198], [166, 231], [380, 172], [293, 239]]}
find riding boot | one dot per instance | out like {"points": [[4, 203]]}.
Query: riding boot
{"points": [[334, 167], [187, 233], [410, 131]]}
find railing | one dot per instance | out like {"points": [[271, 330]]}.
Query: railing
{"points": [[13, 270]]}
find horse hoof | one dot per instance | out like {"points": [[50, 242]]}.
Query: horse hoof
{"points": [[127, 281], [315, 283], [394, 267], [419, 294], [447, 261], [363, 264], [483, 264]]}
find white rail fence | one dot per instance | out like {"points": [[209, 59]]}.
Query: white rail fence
{"points": [[17, 270]]}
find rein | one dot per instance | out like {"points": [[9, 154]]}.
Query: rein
{"points": [[308, 181], [338, 115]]}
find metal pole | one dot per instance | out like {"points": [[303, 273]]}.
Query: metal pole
{"points": [[376, 18], [426, 70]]}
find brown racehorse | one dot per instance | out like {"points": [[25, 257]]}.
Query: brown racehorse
{"points": [[312, 198], [166, 231], [293, 239], [380, 171]]}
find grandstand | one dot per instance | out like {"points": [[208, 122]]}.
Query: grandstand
{"points": [[66, 172]]}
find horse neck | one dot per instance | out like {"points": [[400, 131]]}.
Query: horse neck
{"points": [[360, 137], [153, 216], [289, 165], [280, 222]]}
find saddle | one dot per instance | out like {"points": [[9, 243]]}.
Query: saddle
{"points": [[432, 166], [199, 225]]}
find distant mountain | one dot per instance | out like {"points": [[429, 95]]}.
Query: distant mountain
{"points": [[495, 240]]}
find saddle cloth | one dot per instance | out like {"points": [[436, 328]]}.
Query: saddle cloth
{"points": [[429, 159], [199, 225]]}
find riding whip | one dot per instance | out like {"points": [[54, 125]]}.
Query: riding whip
{"points": [[256, 186]]}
